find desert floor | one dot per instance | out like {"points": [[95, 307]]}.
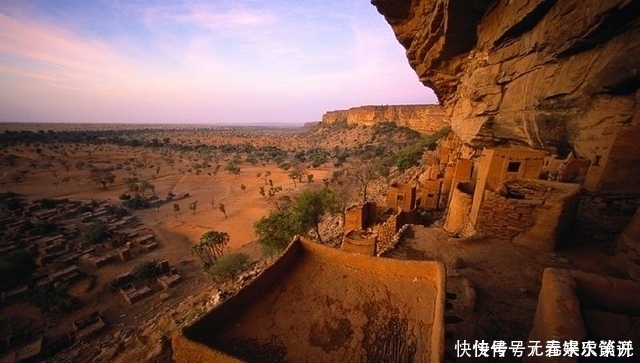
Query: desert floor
{"points": [[174, 232]]}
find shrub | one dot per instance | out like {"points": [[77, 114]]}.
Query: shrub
{"points": [[147, 270], [136, 202], [385, 127], [96, 233], [408, 157], [48, 296], [228, 267]]}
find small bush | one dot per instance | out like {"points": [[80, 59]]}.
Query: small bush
{"points": [[227, 267], [408, 157], [136, 202], [96, 233], [147, 270]]}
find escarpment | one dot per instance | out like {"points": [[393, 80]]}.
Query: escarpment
{"points": [[557, 75], [426, 119]]}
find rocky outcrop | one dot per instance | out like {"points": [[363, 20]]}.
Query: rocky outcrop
{"points": [[558, 75], [426, 119]]}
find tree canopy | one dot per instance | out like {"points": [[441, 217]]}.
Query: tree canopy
{"points": [[96, 233], [211, 246], [276, 230], [102, 177]]}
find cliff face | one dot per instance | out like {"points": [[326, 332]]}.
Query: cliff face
{"points": [[557, 75], [426, 119]]}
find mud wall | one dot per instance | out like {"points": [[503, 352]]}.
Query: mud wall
{"points": [[459, 207], [430, 194], [356, 243], [359, 217], [187, 347], [551, 220], [566, 294]]}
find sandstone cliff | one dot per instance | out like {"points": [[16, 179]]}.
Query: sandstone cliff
{"points": [[426, 119], [557, 75]]}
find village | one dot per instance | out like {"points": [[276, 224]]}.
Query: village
{"points": [[96, 262], [73, 242]]}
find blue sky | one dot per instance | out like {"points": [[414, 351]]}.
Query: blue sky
{"points": [[134, 61]]}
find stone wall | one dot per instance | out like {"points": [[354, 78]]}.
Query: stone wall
{"points": [[387, 230], [504, 218], [426, 119], [532, 213], [497, 165]]}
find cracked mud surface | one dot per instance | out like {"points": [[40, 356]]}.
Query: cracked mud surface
{"points": [[334, 313]]}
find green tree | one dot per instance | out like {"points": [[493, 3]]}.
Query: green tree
{"points": [[96, 233], [102, 177], [293, 175], [147, 270], [193, 206], [47, 296], [276, 230], [408, 156], [310, 208], [203, 253], [216, 241], [228, 267], [232, 168], [338, 200]]}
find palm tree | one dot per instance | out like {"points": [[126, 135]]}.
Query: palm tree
{"points": [[199, 250], [216, 242]]}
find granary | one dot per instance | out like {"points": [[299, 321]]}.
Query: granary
{"points": [[401, 197]]}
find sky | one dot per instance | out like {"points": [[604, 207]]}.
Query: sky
{"points": [[197, 62]]}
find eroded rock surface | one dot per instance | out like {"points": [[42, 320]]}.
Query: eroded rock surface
{"points": [[557, 75], [426, 119]]}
